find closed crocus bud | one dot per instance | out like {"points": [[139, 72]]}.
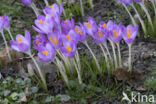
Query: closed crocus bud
{"points": [[27, 2], [138, 1], [1, 23], [6, 22], [127, 1]]}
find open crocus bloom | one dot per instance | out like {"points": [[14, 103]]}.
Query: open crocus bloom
{"points": [[40, 40], [55, 39], [54, 12], [69, 48], [100, 36], [67, 25], [70, 36], [90, 26], [80, 32], [27, 2], [45, 25], [116, 32], [22, 44], [130, 33], [47, 53]]}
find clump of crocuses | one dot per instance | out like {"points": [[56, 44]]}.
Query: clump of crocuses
{"points": [[57, 40]]}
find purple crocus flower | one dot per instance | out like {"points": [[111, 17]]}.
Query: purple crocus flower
{"points": [[71, 35], [80, 31], [40, 40], [55, 39], [100, 36], [47, 53], [67, 25], [116, 32], [130, 33], [1, 23], [27, 2], [45, 25], [125, 1], [69, 48], [6, 22], [138, 1], [54, 12], [90, 26], [22, 44]]}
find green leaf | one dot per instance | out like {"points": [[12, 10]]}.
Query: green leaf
{"points": [[14, 96], [6, 92], [63, 98], [49, 99]]}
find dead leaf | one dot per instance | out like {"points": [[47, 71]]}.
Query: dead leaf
{"points": [[24, 99]]}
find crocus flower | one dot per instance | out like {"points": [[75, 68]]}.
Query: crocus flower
{"points": [[45, 25], [130, 33], [116, 33], [22, 44], [27, 2], [69, 48], [47, 53], [90, 26], [55, 39], [100, 36], [40, 40], [80, 31], [54, 12], [138, 1], [6, 21], [67, 25], [125, 1], [71, 35], [1, 23]]}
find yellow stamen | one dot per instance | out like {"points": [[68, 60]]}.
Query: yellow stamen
{"points": [[129, 33], [100, 34], [1, 17], [89, 25], [104, 25], [37, 42], [55, 41], [68, 37], [66, 21], [45, 52], [20, 40], [76, 29], [69, 49], [41, 21], [52, 15], [51, 6], [81, 32], [115, 33]]}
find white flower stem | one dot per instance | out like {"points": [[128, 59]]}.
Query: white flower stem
{"points": [[106, 58], [78, 71], [119, 54], [113, 48], [129, 60], [6, 46], [105, 45], [147, 13], [91, 3], [39, 71], [33, 6], [46, 2], [96, 61], [141, 21], [82, 9], [10, 34], [133, 21]]}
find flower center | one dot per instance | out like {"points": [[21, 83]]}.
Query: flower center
{"points": [[81, 32], [68, 37], [89, 25], [52, 15], [41, 21], [129, 33], [20, 40], [54, 41], [104, 25], [100, 34], [51, 7], [37, 42], [68, 49], [115, 33], [76, 29], [66, 21], [45, 52], [1, 17]]}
